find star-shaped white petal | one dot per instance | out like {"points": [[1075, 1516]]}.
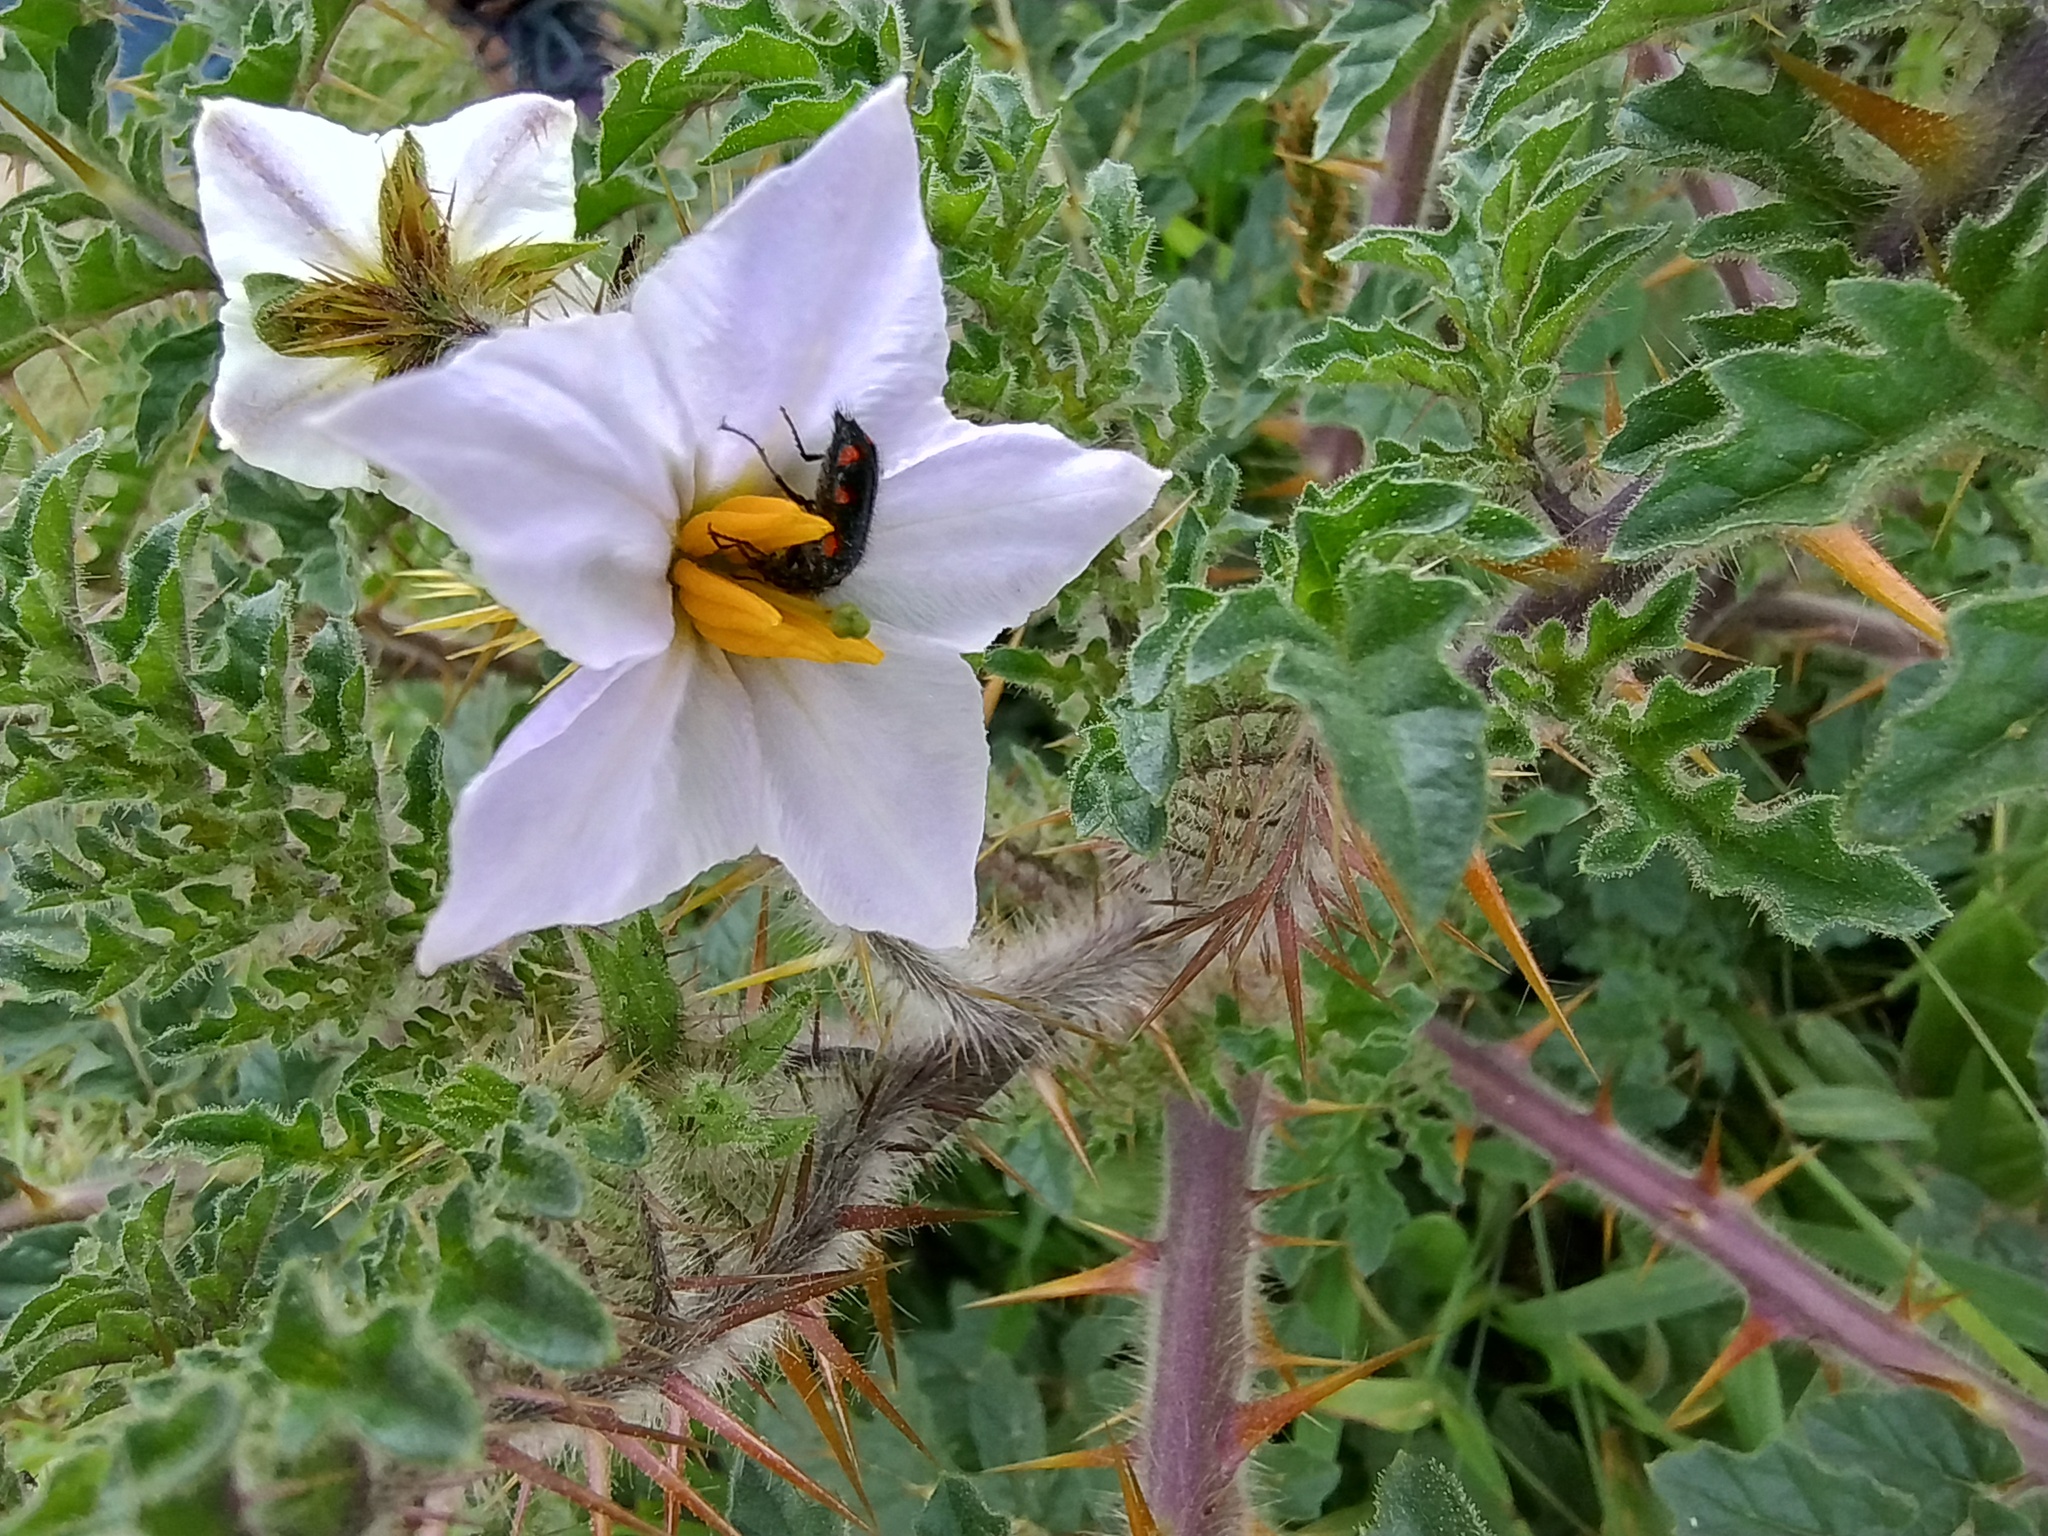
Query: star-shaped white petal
{"points": [[548, 455]]}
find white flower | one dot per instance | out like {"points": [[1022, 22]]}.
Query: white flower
{"points": [[594, 471], [295, 205]]}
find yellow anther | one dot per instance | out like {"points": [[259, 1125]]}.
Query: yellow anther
{"points": [[763, 524], [749, 619], [718, 602]]}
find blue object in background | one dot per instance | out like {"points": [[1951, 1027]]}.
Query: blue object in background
{"points": [[145, 26]]}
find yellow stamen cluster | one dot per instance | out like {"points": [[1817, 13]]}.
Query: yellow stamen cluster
{"points": [[735, 612]]}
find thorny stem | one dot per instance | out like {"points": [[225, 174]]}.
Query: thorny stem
{"points": [[1415, 127], [1188, 1456], [1789, 1293], [1746, 284]]}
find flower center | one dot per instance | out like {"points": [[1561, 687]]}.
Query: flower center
{"points": [[720, 590], [418, 300]]}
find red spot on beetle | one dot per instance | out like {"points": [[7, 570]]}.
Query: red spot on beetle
{"points": [[849, 456]]}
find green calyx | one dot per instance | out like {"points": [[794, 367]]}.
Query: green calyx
{"points": [[419, 300]]}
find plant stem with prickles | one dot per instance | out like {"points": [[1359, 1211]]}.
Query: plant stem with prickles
{"points": [[1790, 1296], [1188, 1452]]}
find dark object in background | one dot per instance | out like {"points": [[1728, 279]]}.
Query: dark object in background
{"points": [[561, 48]]}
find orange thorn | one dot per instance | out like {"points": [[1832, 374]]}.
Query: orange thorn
{"points": [[1752, 1336], [883, 1314], [1545, 1190], [1771, 1178], [597, 1477], [823, 1340], [1470, 945], [743, 1438], [1287, 1110], [1967, 1393], [1493, 906], [1709, 1175], [1124, 1276], [1524, 1044], [1650, 1259], [1931, 142], [892, 1218], [1136, 1511], [1917, 1312], [1054, 1097], [1259, 1421], [1374, 868], [1603, 1102], [1282, 1191], [1607, 1223], [681, 1494], [1461, 1146], [1870, 687], [1846, 552], [1284, 1240], [1067, 1461], [533, 1470], [1159, 1037], [821, 1402], [989, 1155]]}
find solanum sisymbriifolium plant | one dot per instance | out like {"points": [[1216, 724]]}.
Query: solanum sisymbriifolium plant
{"points": [[1344, 698]]}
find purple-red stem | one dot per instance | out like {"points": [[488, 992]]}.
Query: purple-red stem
{"points": [[1415, 130], [1188, 1456], [1746, 284], [1795, 1296]]}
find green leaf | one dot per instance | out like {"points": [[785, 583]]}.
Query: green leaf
{"points": [[1417, 1496], [1841, 1112], [769, 115], [1389, 506], [636, 993], [1780, 1490], [651, 96], [955, 1509], [1920, 1443], [622, 1137], [38, 564], [1629, 1297], [1404, 731], [1345, 352], [251, 1128], [308, 524], [383, 1380], [1383, 47], [522, 1296], [1819, 431], [1139, 28], [1777, 139], [180, 370], [1664, 418], [1978, 736], [1235, 70], [761, 1504], [1787, 857], [1553, 41], [53, 284], [536, 1177], [1569, 284], [1999, 269], [1106, 797]]}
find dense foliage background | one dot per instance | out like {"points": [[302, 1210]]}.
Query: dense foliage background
{"points": [[1608, 440]]}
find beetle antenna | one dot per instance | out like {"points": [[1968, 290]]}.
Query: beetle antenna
{"points": [[801, 452], [787, 489]]}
